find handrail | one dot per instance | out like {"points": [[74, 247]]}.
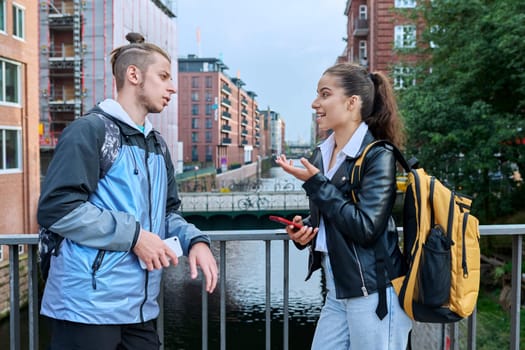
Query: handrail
{"points": [[13, 240]]}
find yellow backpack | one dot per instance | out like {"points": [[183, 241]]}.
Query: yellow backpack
{"points": [[440, 247]]}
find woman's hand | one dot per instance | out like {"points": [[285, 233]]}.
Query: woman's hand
{"points": [[302, 236], [302, 174]]}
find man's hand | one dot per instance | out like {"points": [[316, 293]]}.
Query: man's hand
{"points": [[153, 251], [200, 255]]}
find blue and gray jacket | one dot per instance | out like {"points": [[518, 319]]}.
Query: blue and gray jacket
{"points": [[107, 179]]}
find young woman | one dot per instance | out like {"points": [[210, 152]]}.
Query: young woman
{"points": [[358, 313]]}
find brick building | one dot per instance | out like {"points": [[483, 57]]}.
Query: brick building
{"points": [[377, 32], [19, 159], [219, 121]]}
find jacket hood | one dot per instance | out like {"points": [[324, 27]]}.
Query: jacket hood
{"points": [[114, 108]]}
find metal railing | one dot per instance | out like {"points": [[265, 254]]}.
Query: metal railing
{"points": [[516, 231]]}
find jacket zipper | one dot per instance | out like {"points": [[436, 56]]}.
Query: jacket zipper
{"points": [[146, 156], [363, 288], [96, 266]]}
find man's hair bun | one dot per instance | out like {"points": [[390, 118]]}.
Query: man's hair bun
{"points": [[134, 38]]}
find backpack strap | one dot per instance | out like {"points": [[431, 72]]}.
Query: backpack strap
{"points": [[357, 171], [381, 254]]}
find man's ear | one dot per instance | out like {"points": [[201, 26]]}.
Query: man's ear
{"points": [[133, 75]]}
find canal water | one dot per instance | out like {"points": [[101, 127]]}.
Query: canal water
{"points": [[245, 299]]}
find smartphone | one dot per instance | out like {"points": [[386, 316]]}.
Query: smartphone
{"points": [[173, 243], [284, 221]]}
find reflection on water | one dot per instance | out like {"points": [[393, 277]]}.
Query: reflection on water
{"points": [[245, 301]]}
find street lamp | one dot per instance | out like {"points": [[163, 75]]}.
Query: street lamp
{"points": [[195, 180]]}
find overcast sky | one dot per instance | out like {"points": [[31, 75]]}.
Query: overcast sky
{"points": [[279, 47]]}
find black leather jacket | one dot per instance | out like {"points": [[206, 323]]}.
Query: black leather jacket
{"points": [[353, 230]]}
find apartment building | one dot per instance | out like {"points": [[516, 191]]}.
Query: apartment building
{"points": [[377, 31], [19, 153], [76, 39], [219, 121]]}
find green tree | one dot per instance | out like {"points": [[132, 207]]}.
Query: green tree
{"points": [[466, 112]]}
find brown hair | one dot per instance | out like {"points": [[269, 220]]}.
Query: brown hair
{"points": [[137, 53], [379, 109]]}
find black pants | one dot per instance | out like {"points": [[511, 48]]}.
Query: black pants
{"points": [[78, 336]]}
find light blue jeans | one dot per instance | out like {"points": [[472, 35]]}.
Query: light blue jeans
{"points": [[352, 324]]}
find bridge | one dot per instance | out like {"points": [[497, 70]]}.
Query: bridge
{"points": [[241, 210]]}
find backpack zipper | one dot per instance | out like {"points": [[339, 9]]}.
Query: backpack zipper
{"points": [[464, 248], [363, 288]]}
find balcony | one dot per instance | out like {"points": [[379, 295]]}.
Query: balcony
{"points": [[244, 102], [226, 115], [244, 112], [360, 27], [226, 128], [244, 132], [244, 121], [223, 238], [226, 141], [226, 102], [226, 89]]}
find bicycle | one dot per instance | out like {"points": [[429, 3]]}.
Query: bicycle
{"points": [[248, 202]]}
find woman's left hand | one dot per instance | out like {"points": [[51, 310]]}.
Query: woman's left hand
{"points": [[302, 174]]}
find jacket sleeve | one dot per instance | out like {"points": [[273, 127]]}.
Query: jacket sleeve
{"points": [[72, 176], [365, 221]]}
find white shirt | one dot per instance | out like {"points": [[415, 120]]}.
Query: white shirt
{"points": [[350, 149]]}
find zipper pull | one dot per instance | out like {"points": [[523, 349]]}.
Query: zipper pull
{"points": [[365, 292]]}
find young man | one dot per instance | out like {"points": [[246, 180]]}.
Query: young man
{"points": [[110, 193]]}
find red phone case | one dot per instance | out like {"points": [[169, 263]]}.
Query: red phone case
{"points": [[284, 221]]}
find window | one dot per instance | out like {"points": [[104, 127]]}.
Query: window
{"points": [[405, 36], [208, 136], [194, 109], [9, 82], [362, 52], [195, 82], [10, 149], [405, 3], [209, 123], [195, 96], [208, 109], [18, 21], [2, 15], [194, 137], [208, 82], [194, 123], [403, 77], [194, 154], [209, 153], [209, 98], [363, 12]]}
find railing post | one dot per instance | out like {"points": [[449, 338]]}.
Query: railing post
{"points": [[517, 242], [14, 297], [33, 296], [472, 324], [223, 294], [204, 315], [268, 317], [286, 292]]}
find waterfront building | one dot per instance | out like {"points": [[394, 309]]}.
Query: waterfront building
{"points": [[220, 124], [275, 132]]}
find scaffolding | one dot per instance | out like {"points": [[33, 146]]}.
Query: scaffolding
{"points": [[61, 67]]}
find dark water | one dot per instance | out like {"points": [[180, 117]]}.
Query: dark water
{"points": [[245, 301]]}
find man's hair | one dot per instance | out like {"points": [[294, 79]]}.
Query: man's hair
{"points": [[137, 53]]}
